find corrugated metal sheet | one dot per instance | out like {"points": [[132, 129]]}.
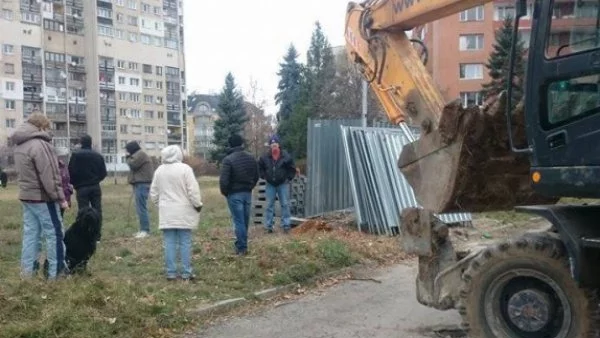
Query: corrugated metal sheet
{"points": [[328, 180], [379, 190]]}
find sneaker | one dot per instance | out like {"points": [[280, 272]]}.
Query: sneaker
{"points": [[269, 231], [189, 278], [142, 234]]}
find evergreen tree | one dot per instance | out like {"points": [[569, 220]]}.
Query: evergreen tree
{"points": [[321, 73], [498, 64], [232, 118], [289, 84]]}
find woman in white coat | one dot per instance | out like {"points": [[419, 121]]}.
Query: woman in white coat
{"points": [[176, 191]]}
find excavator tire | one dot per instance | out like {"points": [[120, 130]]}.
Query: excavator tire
{"points": [[523, 289]]}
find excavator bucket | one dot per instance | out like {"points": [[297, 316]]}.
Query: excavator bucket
{"points": [[466, 164]]}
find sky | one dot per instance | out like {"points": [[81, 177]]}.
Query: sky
{"points": [[250, 39]]}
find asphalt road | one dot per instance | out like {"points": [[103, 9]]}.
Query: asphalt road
{"points": [[351, 309]]}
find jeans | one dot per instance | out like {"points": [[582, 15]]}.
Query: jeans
{"points": [[283, 192], [91, 196], [171, 238], [42, 220], [142, 191], [239, 206]]}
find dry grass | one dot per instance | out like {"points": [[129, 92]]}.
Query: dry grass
{"points": [[127, 294]]}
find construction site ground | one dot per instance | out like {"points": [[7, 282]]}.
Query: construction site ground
{"points": [[379, 302]]}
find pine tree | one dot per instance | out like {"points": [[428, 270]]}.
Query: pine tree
{"points": [[320, 64], [232, 118], [290, 77], [498, 64]]}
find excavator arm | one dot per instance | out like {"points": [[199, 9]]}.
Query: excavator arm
{"points": [[460, 161]]}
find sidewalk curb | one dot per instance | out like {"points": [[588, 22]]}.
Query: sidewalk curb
{"points": [[228, 304]]}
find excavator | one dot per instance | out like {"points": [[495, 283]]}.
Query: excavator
{"points": [[540, 155]]}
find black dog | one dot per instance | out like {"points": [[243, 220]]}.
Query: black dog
{"points": [[80, 239]]}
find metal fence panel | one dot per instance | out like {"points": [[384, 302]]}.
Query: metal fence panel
{"points": [[379, 189], [328, 186]]}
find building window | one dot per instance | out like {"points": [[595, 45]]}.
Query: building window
{"points": [[132, 4], [470, 42], [502, 12], [159, 85], [132, 20], [148, 84], [149, 129], [30, 18], [159, 100], [10, 104], [10, 123], [120, 3], [146, 39], [157, 10], [123, 112], [105, 30], [159, 70], [472, 14], [148, 99], [133, 66], [120, 18], [123, 129], [148, 114], [160, 115], [9, 86], [146, 8], [119, 34], [471, 71], [9, 68], [470, 99], [121, 64], [122, 96], [7, 14], [133, 37], [121, 80], [134, 97], [8, 49], [136, 114], [104, 13], [134, 82], [147, 69]]}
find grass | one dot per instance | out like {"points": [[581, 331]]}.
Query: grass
{"points": [[127, 294]]}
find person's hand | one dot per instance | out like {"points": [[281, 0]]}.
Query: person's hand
{"points": [[64, 205]]}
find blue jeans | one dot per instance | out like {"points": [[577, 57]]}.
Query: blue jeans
{"points": [[142, 190], [42, 220], [283, 192], [183, 238], [239, 206]]}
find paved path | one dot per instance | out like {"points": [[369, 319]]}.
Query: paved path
{"points": [[352, 309]]}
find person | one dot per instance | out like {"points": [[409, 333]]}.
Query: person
{"points": [[175, 190], [87, 170], [140, 175], [41, 196], [277, 168], [239, 175], [65, 177], [3, 178]]}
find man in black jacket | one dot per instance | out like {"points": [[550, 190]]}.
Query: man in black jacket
{"points": [[239, 175], [278, 169], [87, 169]]}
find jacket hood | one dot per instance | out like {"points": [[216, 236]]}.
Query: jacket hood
{"points": [[171, 154], [28, 131]]}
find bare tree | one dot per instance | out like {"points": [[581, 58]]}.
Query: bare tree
{"points": [[260, 125]]}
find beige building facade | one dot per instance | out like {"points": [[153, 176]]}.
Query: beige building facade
{"points": [[123, 80]]}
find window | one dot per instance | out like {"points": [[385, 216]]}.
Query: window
{"points": [[159, 70], [147, 69], [159, 85], [121, 64], [573, 38], [7, 14], [121, 80], [120, 3], [123, 145], [525, 37], [160, 114], [8, 49], [148, 99], [104, 13], [136, 114], [10, 123], [119, 34], [471, 71], [132, 4], [157, 41], [472, 14], [136, 129], [572, 99], [157, 10], [133, 37], [470, 99], [503, 11], [120, 18], [9, 86], [30, 18], [10, 104], [122, 96], [148, 114], [9, 68], [105, 30], [134, 82], [123, 129], [159, 100], [149, 129], [145, 39], [471, 42], [146, 8], [132, 20], [134, 97], [133, 66], [148, 83], [122, 112]]}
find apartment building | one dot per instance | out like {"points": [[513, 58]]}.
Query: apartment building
{"points": [[459, 45], [112, 68]]}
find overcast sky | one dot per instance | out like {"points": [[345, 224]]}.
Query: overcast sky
{"points": [[250, 38]]}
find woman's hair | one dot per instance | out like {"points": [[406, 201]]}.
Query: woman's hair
{"points": [[39, 120]]}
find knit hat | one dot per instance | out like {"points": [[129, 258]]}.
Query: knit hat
{"points": [[235, 141], [274, 139], [86, 142]]}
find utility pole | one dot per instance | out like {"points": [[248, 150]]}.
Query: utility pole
{"points": [[365, 91]]}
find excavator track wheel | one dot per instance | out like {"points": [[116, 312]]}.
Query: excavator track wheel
{"points": [[523, 289]]}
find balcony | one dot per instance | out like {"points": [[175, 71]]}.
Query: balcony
{"points": [[174, 122], [74, 117], [107, 85], [174, 138], [109, 134], [32, 96], [76, 68], [57, 117]]}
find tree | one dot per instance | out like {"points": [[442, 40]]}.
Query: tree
{"points": [[498, 64], [232, 118], [259, 126], [320, 64], [290, 74]]}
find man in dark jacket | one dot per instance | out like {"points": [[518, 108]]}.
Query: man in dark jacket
{"points": [[277, 168], [87, 169], [140, 176], [239, 175]]}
